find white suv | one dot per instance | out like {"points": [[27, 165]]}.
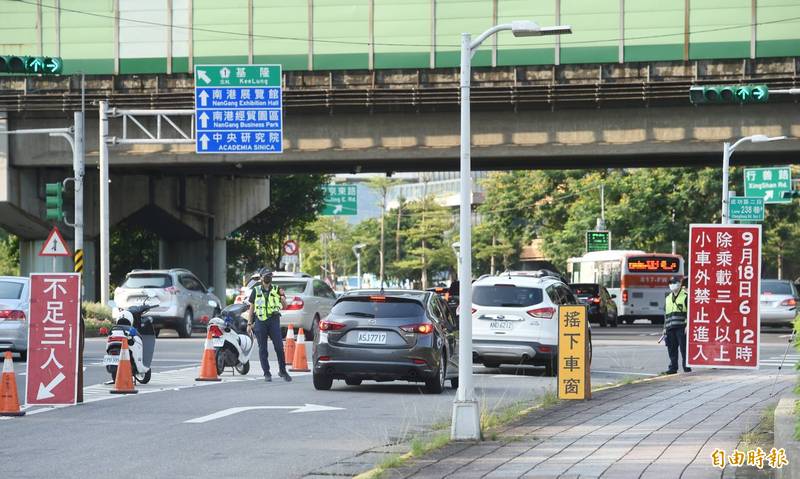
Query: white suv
{"points": [[515, 319]]}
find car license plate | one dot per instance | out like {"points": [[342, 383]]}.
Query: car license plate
{"points": [[110, 360], [502, 325], [370, 337]]}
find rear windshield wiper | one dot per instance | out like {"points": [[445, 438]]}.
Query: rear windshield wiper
{"points": [[359, 314], [511, 305]]}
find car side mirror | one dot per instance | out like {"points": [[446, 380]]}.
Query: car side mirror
{"points": [[211, 289], [613, 296], [211, 303]]}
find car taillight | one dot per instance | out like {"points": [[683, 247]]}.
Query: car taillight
{"points": [[542, 313], [326, 325], [324, 358], [595, 300], [420, 328], [545, 349], [624, 296], [296, 304], [12, 315], [789, 302], [215, 331], [171, 290], [419, 361]]}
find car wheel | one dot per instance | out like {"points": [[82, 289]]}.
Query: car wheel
{"points": [[186, 326], [629, 321], [491, 364], [352, 382], [435, 385], [312, 330], [454, 383], [322, 382]]}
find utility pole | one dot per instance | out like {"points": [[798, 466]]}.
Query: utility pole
{"points": [[104, 220]]}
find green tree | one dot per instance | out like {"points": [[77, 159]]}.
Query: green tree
{"points": [[427, 242], [9, 254], [134, 248], [381, 185]]}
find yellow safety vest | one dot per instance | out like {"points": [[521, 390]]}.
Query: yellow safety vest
{"points": [[265, 307], [675, 310]]}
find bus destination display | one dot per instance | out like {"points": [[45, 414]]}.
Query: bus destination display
{"points": [[653, 264]]}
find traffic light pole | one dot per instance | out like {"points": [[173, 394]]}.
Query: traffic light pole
{"points": [[75, 136]]}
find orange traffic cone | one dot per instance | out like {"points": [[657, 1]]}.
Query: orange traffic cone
{"points": [[288, 348], [300, 363], [208, 366], [123, 383], [9, 399]]}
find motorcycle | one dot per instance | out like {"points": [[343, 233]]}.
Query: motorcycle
{"points": [[230, 339], [132, 326]]}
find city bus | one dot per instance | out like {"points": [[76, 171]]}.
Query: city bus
{"points": [[638, 280]]}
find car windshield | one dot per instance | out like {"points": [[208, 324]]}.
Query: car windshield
{"points": [[10, 289], [507, 296], [149, 280], [777, 287], [584, 290], [378, 309], [291, 287]]}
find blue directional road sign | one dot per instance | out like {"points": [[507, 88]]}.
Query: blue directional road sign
{"points": [[238, 108]]}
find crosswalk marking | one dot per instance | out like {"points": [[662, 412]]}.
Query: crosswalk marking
{"points": [[776, 361], [173, 380]]}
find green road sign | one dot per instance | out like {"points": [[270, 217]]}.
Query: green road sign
{"points": [[340, 200], [598, 241], [746, 209], [237, 76], [768, 183]]}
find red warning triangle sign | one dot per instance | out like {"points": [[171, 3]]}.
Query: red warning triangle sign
{"points": [[55, 245]]}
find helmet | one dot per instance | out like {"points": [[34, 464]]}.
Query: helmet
{"points": [[125, 318]]}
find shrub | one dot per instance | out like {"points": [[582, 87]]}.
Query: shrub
{"points": [[95, 311]]}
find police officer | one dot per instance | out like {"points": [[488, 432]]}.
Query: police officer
{"points": [[266, 302], [675, 324]]}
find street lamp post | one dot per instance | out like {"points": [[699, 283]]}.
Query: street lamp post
{"points": [[466, 414], [456, 246], [727, 151], [357, 251]]}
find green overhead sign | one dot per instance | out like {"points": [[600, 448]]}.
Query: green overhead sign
{"points": [[746, 209], [768, 183], [340, 200], [237, 76]]}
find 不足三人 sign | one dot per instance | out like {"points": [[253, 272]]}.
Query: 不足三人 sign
{"points": [[53, 337], [724, 273], [573, 353]]}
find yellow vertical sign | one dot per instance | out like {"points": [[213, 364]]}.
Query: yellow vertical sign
{"points": [[573, 353]]}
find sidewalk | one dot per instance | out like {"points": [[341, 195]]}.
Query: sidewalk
{"points": [[663, 428]]}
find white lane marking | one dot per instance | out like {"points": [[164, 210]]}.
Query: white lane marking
{"points": [[236, 410], [624, 373]]}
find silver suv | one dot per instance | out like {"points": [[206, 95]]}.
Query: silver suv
{"points": [[186, 303]]}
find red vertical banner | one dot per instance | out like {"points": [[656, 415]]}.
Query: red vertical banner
{"points": [[724, 284], [53, 339]]}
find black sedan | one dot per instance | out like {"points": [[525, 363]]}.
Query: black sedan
{"points": [[386, 336], [601, 306]]}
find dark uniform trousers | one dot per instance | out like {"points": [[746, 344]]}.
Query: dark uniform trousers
{"points": [[264, 331]]}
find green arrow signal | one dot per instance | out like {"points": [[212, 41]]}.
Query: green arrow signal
{"points": [[54, 64], [743, 93], [35, 64], [761, 92]]}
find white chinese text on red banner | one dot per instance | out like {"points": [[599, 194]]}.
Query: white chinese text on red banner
{"points": [[724, 281], [53, 338]]}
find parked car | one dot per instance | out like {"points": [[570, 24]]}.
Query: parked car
{"points": [[309, 300], [185, 302], [515, 319], [601, 306], [14, 313], [405, 335], [778, 302]]}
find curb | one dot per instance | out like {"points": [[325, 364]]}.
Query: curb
{"points": [[784, 437]]}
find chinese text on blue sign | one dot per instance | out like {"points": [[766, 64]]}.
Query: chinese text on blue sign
{"points": [[239, 108]]}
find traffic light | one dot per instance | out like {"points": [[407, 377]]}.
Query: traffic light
{"points": [[54, 202], [26, 65], [728, 94]]}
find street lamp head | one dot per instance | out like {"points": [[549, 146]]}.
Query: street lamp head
{"points": [[765, 138], [527, 28]]}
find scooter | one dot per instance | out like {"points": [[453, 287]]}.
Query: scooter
{"points": [[138, 331], [230, 339]]}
